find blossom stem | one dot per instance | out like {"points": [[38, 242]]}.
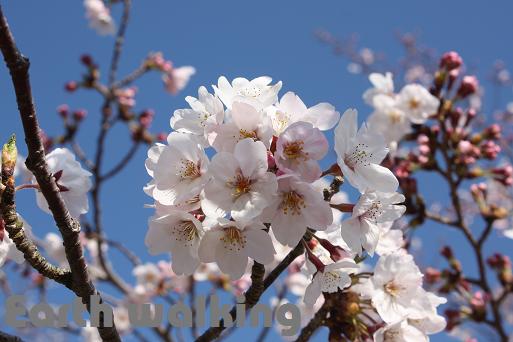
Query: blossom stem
{"points": [[27, 186]]}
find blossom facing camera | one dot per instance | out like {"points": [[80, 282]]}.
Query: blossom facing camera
{"points": [[359, 153], [231, 243]]}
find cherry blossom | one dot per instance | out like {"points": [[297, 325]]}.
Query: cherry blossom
{"points": [[372, 209], [240, 182], [417, 102], [177, 78], [257, 92], [205, 110], [99, 17], [299, 148], [291, 109], [359, 153], [389, 119], [335, 276], [179, 172], [396, 288], [383, 85], [231, 243], [72, 180], [246, 122], [177, 232], [297, 206], [399, 331]]}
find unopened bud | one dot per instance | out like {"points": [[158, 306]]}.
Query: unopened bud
{"points": [[468, 86], [451, 60]]}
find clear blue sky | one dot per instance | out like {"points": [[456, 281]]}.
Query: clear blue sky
{"points": [[232, 38]]}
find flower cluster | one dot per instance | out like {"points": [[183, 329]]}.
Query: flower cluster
{"points": [[258, 194]]}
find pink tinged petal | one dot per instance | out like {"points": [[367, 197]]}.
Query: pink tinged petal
{"points": [[208, 245], [370, 238], [223, 166], [292, 104], [322, 115], [316, 144], [260, 246], [245, 116], [345, 132], [184, 261], [231, 262], [377, 177], [288, 229], [351, 234], [252, 157], [313, 291]]}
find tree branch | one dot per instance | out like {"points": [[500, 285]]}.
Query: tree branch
{"points": [[69, 228]]}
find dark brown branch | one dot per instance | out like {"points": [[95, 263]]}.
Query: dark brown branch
{"points": [[255, 290], [316, 322], [69, 228]]}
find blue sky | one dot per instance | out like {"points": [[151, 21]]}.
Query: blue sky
{"points": [[232, 38]]}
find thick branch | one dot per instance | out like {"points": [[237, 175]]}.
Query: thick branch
{"points": [[69, 228]]}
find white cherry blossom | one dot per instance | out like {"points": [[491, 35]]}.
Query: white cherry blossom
{"points": [[292, 109], [372, 209], [177, 78], [246, 122], [298, 150], [99, 17], [240, 182], [73, 181], [206, 110], [359, 153], [257, 92], [177, 232], [399, 331], [148, 277], [383, 85], [298, 206], [231, 243], [417, 102], [396, 288], [389, 119], [179, 172], [334, 277]]}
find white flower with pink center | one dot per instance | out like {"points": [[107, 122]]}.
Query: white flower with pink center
{"points": [[396, 289], [258, 92], [178, 169], [245, 122], [334, 277], [231, 243], [205, 111], [240, 182], [364, 229], [292, 109], [298, 206], [298, 150], [360, 153], [178, 233], [417, 102]]}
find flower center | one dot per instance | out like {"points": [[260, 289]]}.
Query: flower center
{"points": [[395, 117], [233, 239], [358, 156], [243, 134], [240, 185], [292, 203], [294, 150], [185, 231], [281, 121], [250, 91], [391, 336], [374, 212], [414, 103], [392, 288], [189, 169]]}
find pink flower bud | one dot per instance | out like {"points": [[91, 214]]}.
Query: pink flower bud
{"points": [[63, 110], [451, 60], [86, 59], [71, 86], [161, 136], [79, 114], [468, 86]]}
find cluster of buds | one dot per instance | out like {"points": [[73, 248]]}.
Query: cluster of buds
{"points": [[89, 78], [156, 61], [487, 210]]}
